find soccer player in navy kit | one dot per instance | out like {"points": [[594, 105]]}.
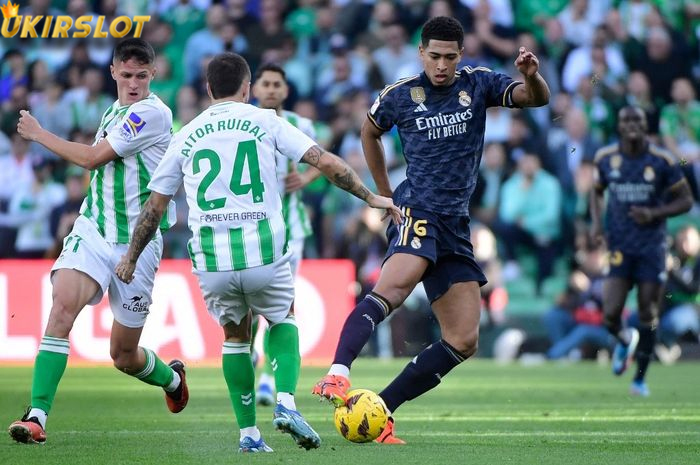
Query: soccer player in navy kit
{"points": [[440, 115], [645, 186]]}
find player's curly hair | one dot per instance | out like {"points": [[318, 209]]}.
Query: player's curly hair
{"points": [[442, 28], [226, 73], [135, 48]]}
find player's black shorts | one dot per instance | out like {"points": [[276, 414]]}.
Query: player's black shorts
{"points": [[638, 267], [445, 241]]}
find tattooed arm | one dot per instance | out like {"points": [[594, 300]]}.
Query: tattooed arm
{"points": [[146, 227], [339, 173]]}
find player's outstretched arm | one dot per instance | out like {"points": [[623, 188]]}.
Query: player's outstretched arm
{"points": [[339, 173], [85, 156], [682, 201], [146, 227], [535, 91], [371, 138]]}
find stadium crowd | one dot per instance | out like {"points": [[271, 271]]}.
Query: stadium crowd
{"points": [[537, 172]]}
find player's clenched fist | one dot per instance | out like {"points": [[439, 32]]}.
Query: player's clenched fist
{"points": [[27, 126]]}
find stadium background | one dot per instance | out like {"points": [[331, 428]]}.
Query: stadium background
{"points": [[596, 56]]}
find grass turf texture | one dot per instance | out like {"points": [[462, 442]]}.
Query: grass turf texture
{"points": [[482, 413]]}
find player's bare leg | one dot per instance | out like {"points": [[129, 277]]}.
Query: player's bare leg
{"points": [[72, 290], [615, 292], [399, 276], [145, 365], [458, 312], [649, 296]]}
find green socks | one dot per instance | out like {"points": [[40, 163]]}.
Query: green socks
{"points": [[240, 379], [155, 372], [284, 354], [49, 365]]}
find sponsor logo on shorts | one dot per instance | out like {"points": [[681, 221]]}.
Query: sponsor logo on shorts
{"points": [[415, 243], [136, 304]]}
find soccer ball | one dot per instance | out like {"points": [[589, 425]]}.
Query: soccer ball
{"points": [[363, 417]]}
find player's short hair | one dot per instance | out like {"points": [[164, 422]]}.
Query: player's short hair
{"points": [[226, 73], [442, 28], [138, 49], [272, 67]]}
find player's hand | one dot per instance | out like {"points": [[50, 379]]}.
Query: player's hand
{"points": [[293, 182], [526, 62], [377, 201], [641, 215], [27, 126], [125, 270]]}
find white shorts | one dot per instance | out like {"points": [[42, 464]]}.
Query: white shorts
{"points": [[296, 247], [84, 249], [266, 290]]}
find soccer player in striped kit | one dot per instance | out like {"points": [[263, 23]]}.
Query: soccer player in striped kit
{"points": [[130, 142], [226, 159], [271, 90]]}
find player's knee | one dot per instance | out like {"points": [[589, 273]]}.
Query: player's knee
{"points": [[60, 321], [125, 360], [466, 344]]}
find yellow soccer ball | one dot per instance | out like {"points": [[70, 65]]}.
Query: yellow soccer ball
{"points": [[363, 417]]}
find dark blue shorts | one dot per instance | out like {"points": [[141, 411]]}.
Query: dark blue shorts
{"points": [[649, 267], [444, 241]]}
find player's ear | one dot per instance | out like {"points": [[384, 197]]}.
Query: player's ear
{"points": [[209, 92]]}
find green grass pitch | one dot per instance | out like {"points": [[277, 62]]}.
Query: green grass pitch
{"points": [[482, 413]]}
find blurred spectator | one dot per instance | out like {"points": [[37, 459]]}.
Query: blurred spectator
{"points": [[49, 108], [532, 15], [639, 94], [395, 54], [165, 85], [598, 109], [576, 23], [493, 171], [680, 130], [574, 146], [494, 296], [329, 92], [87, 103], [184, 16], [383, 14], [218, 36], [496, 36], [64, 215], [661, 63], [16, 175], [9, 110], [271, 33], [30, 209], [13, 73], [529, 217], [580, 62], [577, 317]]}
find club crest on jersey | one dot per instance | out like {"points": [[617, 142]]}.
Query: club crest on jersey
{"points": [[649, 174], [615, 164], [132, 126], [464, 99]]}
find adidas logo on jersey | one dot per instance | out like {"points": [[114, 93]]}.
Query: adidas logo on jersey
{"points": [[420, 107]]}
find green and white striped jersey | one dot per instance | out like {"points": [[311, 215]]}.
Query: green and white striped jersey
{"points": [[295, 216], [226, 158], [139, 134]]}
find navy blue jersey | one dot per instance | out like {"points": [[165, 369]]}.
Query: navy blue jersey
{"points": [[640, 181], [442, 133]]}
